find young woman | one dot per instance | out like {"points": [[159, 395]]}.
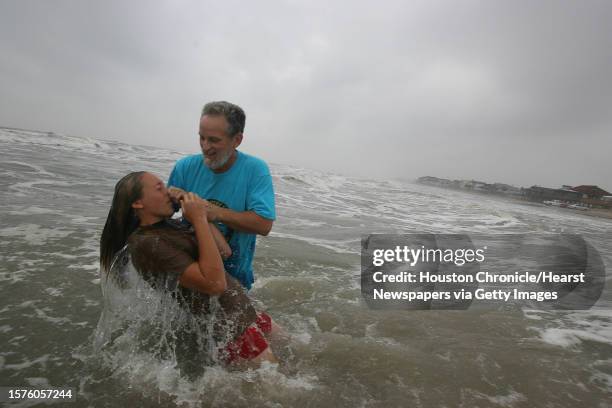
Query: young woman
{"points": [[183, 260]]}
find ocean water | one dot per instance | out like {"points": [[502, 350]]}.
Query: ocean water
{"points": [[56, 191]]}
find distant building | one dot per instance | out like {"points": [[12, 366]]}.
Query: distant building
{"points": [[586, 195], [538, 193], [593, 192]]}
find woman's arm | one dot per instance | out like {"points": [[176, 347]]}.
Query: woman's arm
{"points": [[207, 274], [222, 245]]}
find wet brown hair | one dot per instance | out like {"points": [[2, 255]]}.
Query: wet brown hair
{"points": [[121, 220]]}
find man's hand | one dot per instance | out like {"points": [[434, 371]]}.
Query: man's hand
{"points": [[213, 212], [176, 194]]}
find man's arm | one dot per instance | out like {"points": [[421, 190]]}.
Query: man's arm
{"points": [[260, 212], [246, 221], [222, 245]]}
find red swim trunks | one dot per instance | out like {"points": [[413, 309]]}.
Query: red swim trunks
{"points": [[252, 342]]}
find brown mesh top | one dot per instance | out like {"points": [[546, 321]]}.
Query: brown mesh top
{"points": [[162, 252]]}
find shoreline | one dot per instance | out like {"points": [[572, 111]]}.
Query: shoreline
{"points": [[600, 213], [591, 212]]}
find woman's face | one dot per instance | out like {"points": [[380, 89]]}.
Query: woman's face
{"points": [[155, 200]]}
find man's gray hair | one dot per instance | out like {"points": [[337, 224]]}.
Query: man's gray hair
{"points": [[233, 114]]}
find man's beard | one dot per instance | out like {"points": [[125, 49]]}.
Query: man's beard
{"points": [[220, 162]]}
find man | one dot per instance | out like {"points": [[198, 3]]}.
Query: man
{"points": [[237, 186]]}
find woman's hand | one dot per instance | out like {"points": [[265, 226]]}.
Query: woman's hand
{"points": [[194, 208]]}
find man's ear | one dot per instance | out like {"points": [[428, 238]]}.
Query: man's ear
{"points": [[137, 204], [237, 140]]}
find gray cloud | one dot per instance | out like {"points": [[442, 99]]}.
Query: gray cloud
{"points": [[494, 90]]}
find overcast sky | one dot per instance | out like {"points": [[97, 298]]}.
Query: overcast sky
{"points": [[510, 91]]}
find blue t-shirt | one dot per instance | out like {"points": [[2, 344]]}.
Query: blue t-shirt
{"points": [[246, 186]]}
